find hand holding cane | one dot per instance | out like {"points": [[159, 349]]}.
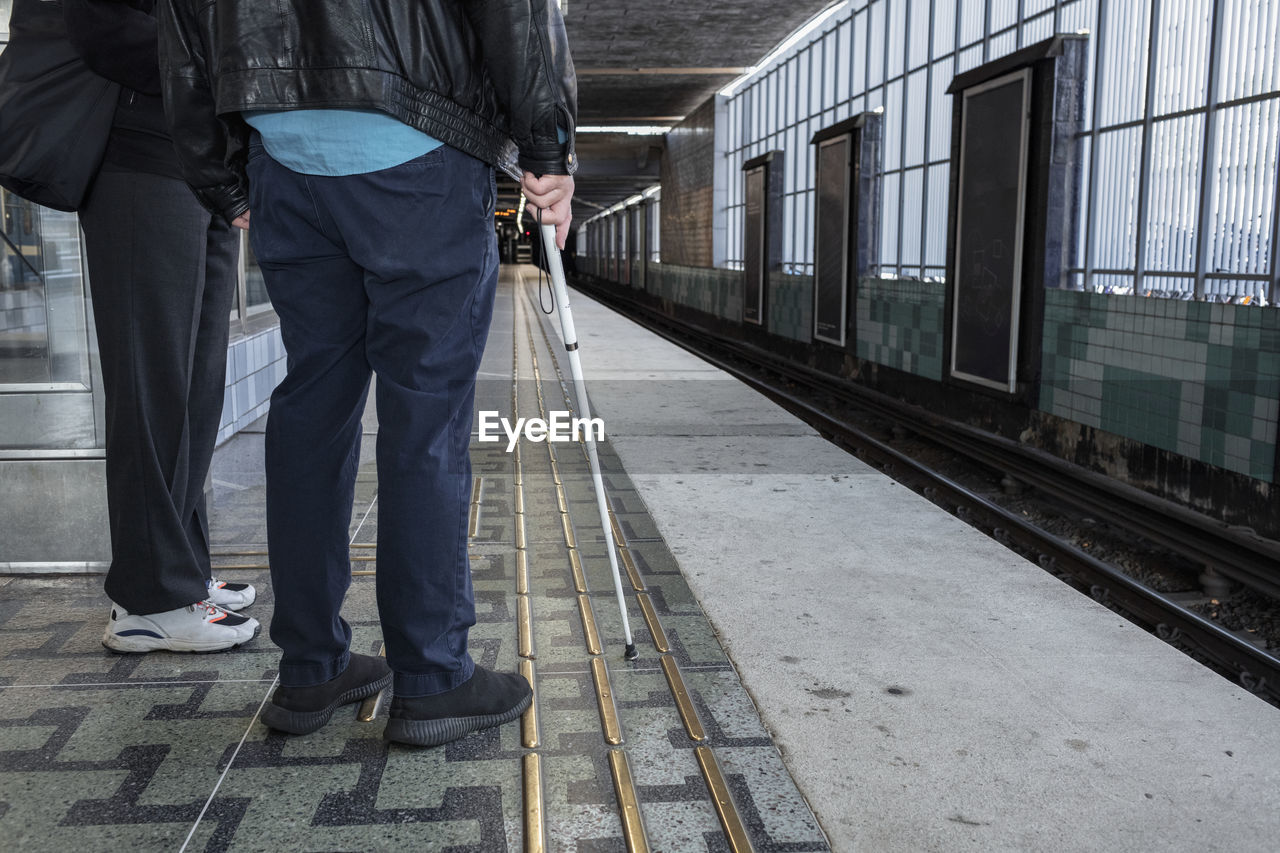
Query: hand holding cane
{"points": [[555, 269]]}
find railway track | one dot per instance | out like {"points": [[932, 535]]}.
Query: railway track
{"points": [[1247, 559]]}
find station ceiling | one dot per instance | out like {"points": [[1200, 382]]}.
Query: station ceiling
{"points": [[653, 63]]}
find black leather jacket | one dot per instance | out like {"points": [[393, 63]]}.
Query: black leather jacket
{"points": [[492, 78]]}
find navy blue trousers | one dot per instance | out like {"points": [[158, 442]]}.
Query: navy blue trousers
{"points": [[390, 273]]}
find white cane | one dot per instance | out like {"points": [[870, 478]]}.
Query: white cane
{"points": [[561, 291]]}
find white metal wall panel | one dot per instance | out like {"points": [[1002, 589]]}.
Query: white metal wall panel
{"points": [[1153, 217]]}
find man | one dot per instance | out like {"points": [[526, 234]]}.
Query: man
{"points": [[363, 136]]}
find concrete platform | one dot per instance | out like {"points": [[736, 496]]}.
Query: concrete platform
{"points": [[928, 688], [867, 673]]}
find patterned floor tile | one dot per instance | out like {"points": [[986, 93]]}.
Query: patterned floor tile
{"points": [[151, 752]]}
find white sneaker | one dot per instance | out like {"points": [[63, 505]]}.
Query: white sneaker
{"points": [[230, 596], [199, 627]]}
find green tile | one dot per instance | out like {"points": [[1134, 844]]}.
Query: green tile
{"points": [[1262, 466]]}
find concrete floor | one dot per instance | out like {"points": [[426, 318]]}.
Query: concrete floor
{"points": [[926, 688]]}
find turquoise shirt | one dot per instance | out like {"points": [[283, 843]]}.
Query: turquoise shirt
{"points": [[338, 142]]}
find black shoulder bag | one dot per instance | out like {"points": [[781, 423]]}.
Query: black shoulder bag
{"points": [[55, 113]]}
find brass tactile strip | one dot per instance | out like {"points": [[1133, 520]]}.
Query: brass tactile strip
{"points": [[734, 831], [522, 573], [535, 829], [567, 524], [369, 707], [524, 626], [688, 713], [617, 529], [651, 618], [575, 565], [633, 574], [242, 551], [726, 809], [628, 803], [529, 721], [604, 697], [355, 558], [589, 632], [633, 828]]}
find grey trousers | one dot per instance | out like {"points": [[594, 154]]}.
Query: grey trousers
{"points": [[162, 274]]}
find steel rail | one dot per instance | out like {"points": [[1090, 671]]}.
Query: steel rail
{"points": [[1252, 667]]}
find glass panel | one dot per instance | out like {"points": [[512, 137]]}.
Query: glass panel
{"points": [[888, 254], [1037, 29], [1115, 208], [1243, 180], [6, 7], [1004, 13], [916, 117], [944, 28], [1003, 45], [1182, 56], [936, 235], [912, 217], [896, 39], [861, 53], [1123, 83], [879, 36], [918, 50], [46, 388], [844, 59], [940, 108], [973, 23], [255, 293], [1174, 184], [42, 313], [1251, 65], [893, 126], [655, 231]]}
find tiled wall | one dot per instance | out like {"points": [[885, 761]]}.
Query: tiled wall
{"points": [[1198, 379], [790, 306], [713, 291], [900, 324], [255, 365]]}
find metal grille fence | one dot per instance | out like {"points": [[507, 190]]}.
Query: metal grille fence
{"points": [[1182, 116]]}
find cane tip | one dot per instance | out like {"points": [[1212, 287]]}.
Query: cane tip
{"points": [[631, 653]]}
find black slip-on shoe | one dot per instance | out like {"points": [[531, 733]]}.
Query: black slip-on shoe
{"points": [[302, 710], [486, 699]]}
